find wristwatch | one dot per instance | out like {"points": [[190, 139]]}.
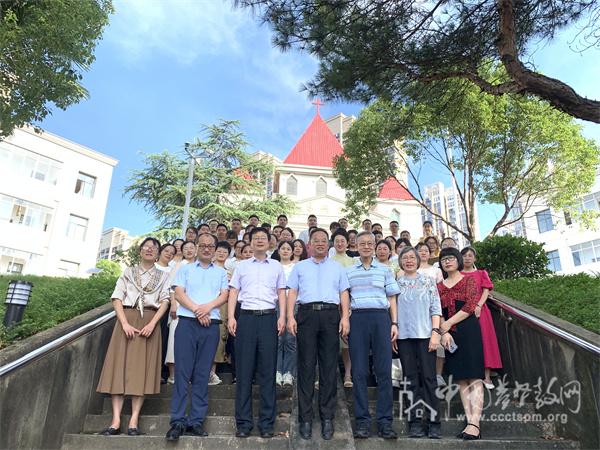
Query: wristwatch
{"points": [[395, 323], [438, 331]]}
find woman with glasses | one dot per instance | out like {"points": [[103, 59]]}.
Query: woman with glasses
{"points": [[133, 360], [461, 337], [419, 336]]}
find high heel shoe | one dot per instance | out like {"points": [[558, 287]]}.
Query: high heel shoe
{"points": [[472, 437]]}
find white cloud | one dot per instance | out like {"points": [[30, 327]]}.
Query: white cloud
{"points": [[182, 30]]}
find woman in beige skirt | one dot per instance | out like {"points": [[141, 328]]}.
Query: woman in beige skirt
{"points": [[133, 360]]}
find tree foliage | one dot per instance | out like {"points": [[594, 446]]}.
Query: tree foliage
{"points": [[45, 46], [513, 151], [378, 48], [511, 257], [228, 181], [108, 269]]}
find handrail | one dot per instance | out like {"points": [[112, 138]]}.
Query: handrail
{"points": [[56, 343], [548, 327]]}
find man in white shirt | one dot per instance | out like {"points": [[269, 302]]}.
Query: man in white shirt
{"points": [[311, 222]]}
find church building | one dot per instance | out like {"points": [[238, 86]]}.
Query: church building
{"points": [[306, 177]]}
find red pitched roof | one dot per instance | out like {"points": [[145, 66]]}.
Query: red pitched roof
{"points": [[393, 190], [316, 147]]}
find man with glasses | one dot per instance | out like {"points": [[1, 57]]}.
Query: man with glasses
{"points": [[374, 326], [200, 289], [258, 284]]}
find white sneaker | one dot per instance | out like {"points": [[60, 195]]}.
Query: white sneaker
{"points": [[441, 381], [489, 385], [214, 379], [278, 378], [288, 379], [171, 380]]}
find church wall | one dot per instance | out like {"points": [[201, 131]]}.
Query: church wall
{"points": [[409, 216]]}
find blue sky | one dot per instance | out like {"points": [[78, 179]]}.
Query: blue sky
{"points": [[164, 68]]}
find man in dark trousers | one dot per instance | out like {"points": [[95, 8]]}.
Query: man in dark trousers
{"points": [[320, 286], [258, 284]]}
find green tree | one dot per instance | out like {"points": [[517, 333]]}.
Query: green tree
{"points": [[228, 181], [378, 48], [511, 257], [45, 46], [513, 151], [108, 269]]}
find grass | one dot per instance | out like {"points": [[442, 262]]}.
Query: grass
{"points": [[53, 300], [574, 298]]}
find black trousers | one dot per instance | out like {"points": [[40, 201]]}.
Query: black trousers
{"points": [[318, 337], [418, 367], [256, 349]]}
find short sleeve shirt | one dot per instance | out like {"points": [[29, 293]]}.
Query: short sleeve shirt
{"points": [[201, 284], [318, 281], [258, 282], [371, 287]]}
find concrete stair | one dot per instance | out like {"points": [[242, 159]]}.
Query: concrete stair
{"points": [[506, 434], [154, 423]]}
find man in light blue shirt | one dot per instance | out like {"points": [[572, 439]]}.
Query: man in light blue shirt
{"points": [[320, 287], [258, 284], [200, 289], [374, 327]]}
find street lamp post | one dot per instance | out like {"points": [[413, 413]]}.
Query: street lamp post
{"points": [[188, 191]]}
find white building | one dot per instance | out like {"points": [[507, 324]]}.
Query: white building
{"points": [[53, 195], [446, 202], [306, 176], [114, 240], [570, 247]]}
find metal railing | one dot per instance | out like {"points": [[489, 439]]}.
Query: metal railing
{"points": [[56, 343], [545, 326]]}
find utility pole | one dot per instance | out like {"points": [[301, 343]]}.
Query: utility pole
{"points": [[188, 191]]}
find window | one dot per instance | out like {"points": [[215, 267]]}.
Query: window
{"points": [[291, 187], [544, 220], [586, 253], [68, 268], [568, 219], [28, 164], [14, 267], [321, 187], [554, 261], [589, 202], [77, 227], [21, 212], [85, 185]]}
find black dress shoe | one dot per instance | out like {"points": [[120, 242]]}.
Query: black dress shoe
{"points": [[197, 430], [242, 433], [266, 434], [362, 432], [306, 430], [175, 431], [416, 430], [110, 431], [472, 437], [133, 432], [387, 432], [435, 431], [327, 429]]}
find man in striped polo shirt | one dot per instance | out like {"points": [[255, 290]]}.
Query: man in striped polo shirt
{"points": [[373, 327]]}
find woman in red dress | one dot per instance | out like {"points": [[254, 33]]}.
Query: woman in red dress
{"points": [[491, 352], [458, 295]]}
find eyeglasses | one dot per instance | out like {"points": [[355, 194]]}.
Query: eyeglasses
{"points": [[204, 246], [150, 247], [366, 244], [446, 259]]}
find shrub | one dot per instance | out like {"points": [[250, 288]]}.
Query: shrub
{"points": [[510, 257], [54, 300], [574, 298]]}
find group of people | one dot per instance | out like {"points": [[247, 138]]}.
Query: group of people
{"points": [[277, 308]]}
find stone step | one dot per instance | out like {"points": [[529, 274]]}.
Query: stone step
{"points": [[450, 428], [455, 409], [158, 425], [124, 442], [226, 391], [377, 443], [216, 407]]}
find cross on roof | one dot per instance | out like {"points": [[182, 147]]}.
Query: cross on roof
{"points": [[318, 103]]}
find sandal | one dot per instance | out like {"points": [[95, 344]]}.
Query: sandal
{"points": [[110, 431], [472, 437]]}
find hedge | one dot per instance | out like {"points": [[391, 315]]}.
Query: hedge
{"points": [[53, 300], [574, 298]]}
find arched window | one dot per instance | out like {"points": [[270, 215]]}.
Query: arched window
{"points": [[291, 187], [321, 187]]}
